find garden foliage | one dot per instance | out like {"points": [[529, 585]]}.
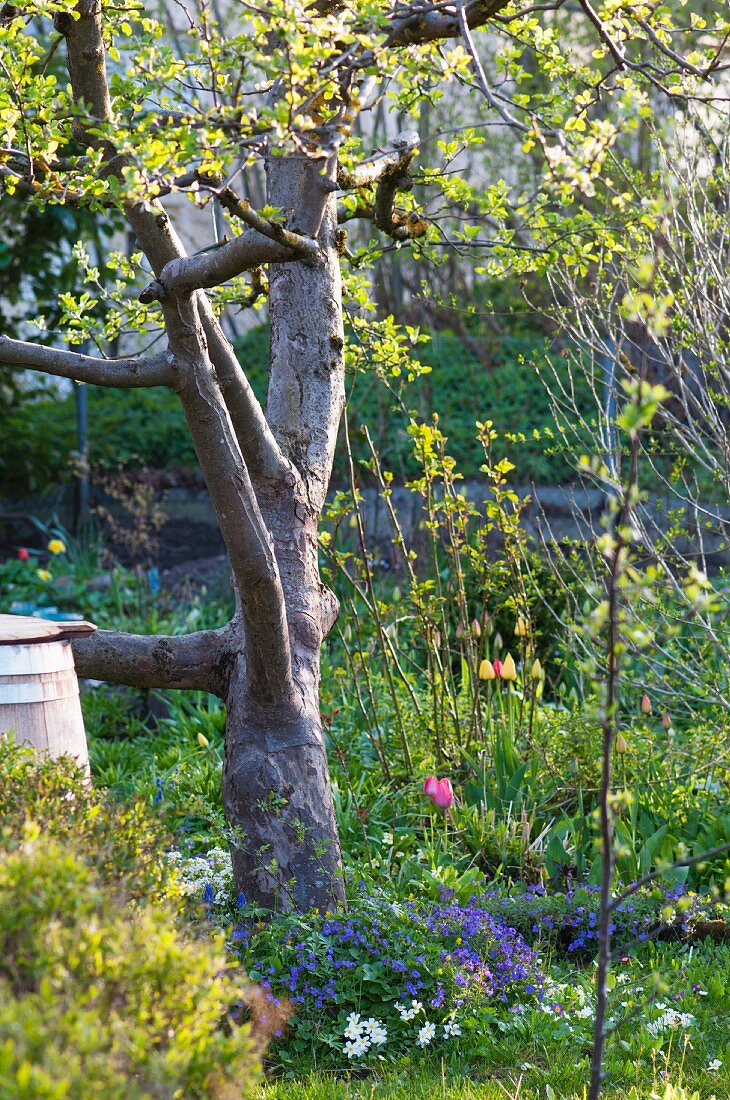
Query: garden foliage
{"points": [[101, 990]]}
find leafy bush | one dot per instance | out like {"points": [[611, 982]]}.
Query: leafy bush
{"points": [[100, 992]]}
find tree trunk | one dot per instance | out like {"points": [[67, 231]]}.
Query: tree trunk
{"points": [[276, 793], [276, 786]]}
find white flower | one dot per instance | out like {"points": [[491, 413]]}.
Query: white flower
{"points": [[669, 1020], [407, 1014], [584, 1012], [451, 1029], [426, 1034], [361, 1046], [378, 1035], [354, 1027], [374, 1031], [714, 1065], [349, 1049]]}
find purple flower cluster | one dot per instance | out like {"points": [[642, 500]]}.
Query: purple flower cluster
{"points": [[570, 920], [488, 954], [381, 953]]}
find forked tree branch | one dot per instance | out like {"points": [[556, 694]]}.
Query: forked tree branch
{"points": [[222, 262], [401, 225], [197, 661], [121, 373], [389, 170], [247, 538], [260, 451], [394, 159]]}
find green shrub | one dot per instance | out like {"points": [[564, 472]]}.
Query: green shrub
{"points": [[101, 991]]}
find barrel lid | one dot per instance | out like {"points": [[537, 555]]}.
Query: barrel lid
{"points": [[26, 630]]}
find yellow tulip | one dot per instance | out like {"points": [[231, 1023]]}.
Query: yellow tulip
{"points": [[536, 671], [55, 546], [44, 575], [622, 744], [522, 628], [486, 671], [509, 670], [203, 741]]}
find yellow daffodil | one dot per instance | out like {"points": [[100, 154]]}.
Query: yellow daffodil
{"points": [[509, 670], [56, 546]]}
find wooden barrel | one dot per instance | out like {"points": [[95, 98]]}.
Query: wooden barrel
{"points": [[39, 692]]}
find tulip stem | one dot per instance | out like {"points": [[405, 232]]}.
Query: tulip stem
{"points": [[533, 701]]}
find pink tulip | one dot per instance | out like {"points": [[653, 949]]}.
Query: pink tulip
{"points": [[444, 796], [645, 704], [430, 786], [666, 721], [497, 666], [23, 554]]}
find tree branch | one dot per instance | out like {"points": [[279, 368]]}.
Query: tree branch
{"points": [[260, 451], [397, 223], [248, 541], [122, 373], [414, 25], [394, 159], [162, 246], [489, 95], [389, 169], [646, 880], [197, 661], [265, 242], [616, 52], [219, 263], [86, 63]]}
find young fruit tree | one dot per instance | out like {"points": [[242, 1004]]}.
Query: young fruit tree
{"points": [[106, 109]]}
